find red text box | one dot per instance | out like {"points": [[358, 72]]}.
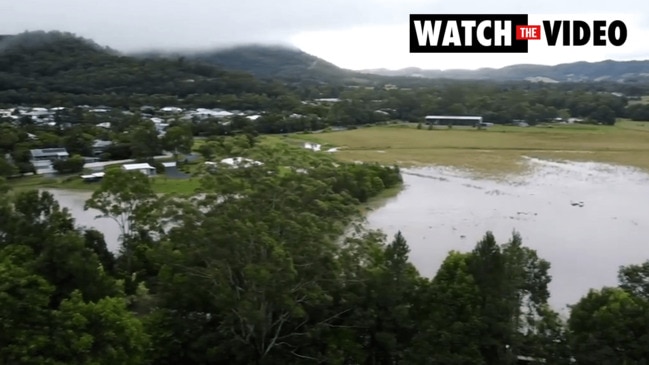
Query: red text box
{"points": [[528, 32]]}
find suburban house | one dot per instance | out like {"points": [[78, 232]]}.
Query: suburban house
{"points": [[99, 147], [144, 168], [42, 159], [49, 154]]}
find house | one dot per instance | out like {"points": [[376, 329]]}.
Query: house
{"points": [[144, 168], [312, 146], [240, 161], [42, 159], [99, 146], [49, 154]]}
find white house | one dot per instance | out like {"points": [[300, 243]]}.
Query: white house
{"points": [[144, 168], [240, 161], [312, 146]]}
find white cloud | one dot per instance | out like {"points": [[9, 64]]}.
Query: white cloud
{"points": [[353, 34], [388, 47]]}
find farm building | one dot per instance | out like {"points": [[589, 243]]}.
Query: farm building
{"points": [[471, 121], [144, 168]]}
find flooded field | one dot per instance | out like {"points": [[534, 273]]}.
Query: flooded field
{"points": [[587, 219], [74, 200]]}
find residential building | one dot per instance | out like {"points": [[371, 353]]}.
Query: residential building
{"points": [[49, 154], [144, 168], [99, 146]]}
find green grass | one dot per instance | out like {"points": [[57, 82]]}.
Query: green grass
{"points": [[495, 150], [161, 184], [643, 100]]}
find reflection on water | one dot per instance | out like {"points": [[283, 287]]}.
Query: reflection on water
{"points": [[587, 219]]}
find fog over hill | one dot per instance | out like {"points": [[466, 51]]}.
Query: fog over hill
{"points": [[294, 65]]}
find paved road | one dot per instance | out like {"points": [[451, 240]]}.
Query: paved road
{"points": [[97, 165]]}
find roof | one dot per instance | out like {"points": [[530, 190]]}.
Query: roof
{"points": [[467, 117], [137, 166], [235, 161], [49, 152], [99, 143], [93, 176], [169, 164]]}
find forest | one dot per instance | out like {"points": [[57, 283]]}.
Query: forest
{"points": [[272, 264]]}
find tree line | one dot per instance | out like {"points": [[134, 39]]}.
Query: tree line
{"points": [[59, 69], [272, 264]]}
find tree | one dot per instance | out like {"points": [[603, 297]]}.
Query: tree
{"points": [[24, 338], [105, 332], [178, 138], [635, 279], [57, 252], [207, 150], [448, 316], [144, 140], [7, 168], [610, 326], [71, 165], [76, 141], [126, 197], [389, 289]]}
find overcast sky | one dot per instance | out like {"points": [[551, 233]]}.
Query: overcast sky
{"points": [[356, 34]]}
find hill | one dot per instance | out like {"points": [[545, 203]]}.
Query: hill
{"points": [[609, 70], [277, 62], [293, 65], [47, 67]]}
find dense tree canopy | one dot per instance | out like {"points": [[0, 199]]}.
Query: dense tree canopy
{"points": [[271, 265]]}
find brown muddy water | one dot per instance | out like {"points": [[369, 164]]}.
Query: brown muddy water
{"points": [[587, 219]]}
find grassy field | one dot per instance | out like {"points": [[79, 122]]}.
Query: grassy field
{"points": [[643, 100], [161, 184], [497, 150]]}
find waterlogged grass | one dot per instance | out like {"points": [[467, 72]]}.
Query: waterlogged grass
{"points": [[493, 151]]}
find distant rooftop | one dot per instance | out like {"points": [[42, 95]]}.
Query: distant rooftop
{"points": [[137, 166], [458, 117], [49, 152]]}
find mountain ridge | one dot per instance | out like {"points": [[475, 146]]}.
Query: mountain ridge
{"points": [[609, 70], [290, 64]]}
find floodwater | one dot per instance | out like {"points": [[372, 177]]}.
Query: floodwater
{"points": [[587, 219], [74, 201]]}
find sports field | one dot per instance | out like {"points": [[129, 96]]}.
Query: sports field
{"points": [[498, 149]]}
